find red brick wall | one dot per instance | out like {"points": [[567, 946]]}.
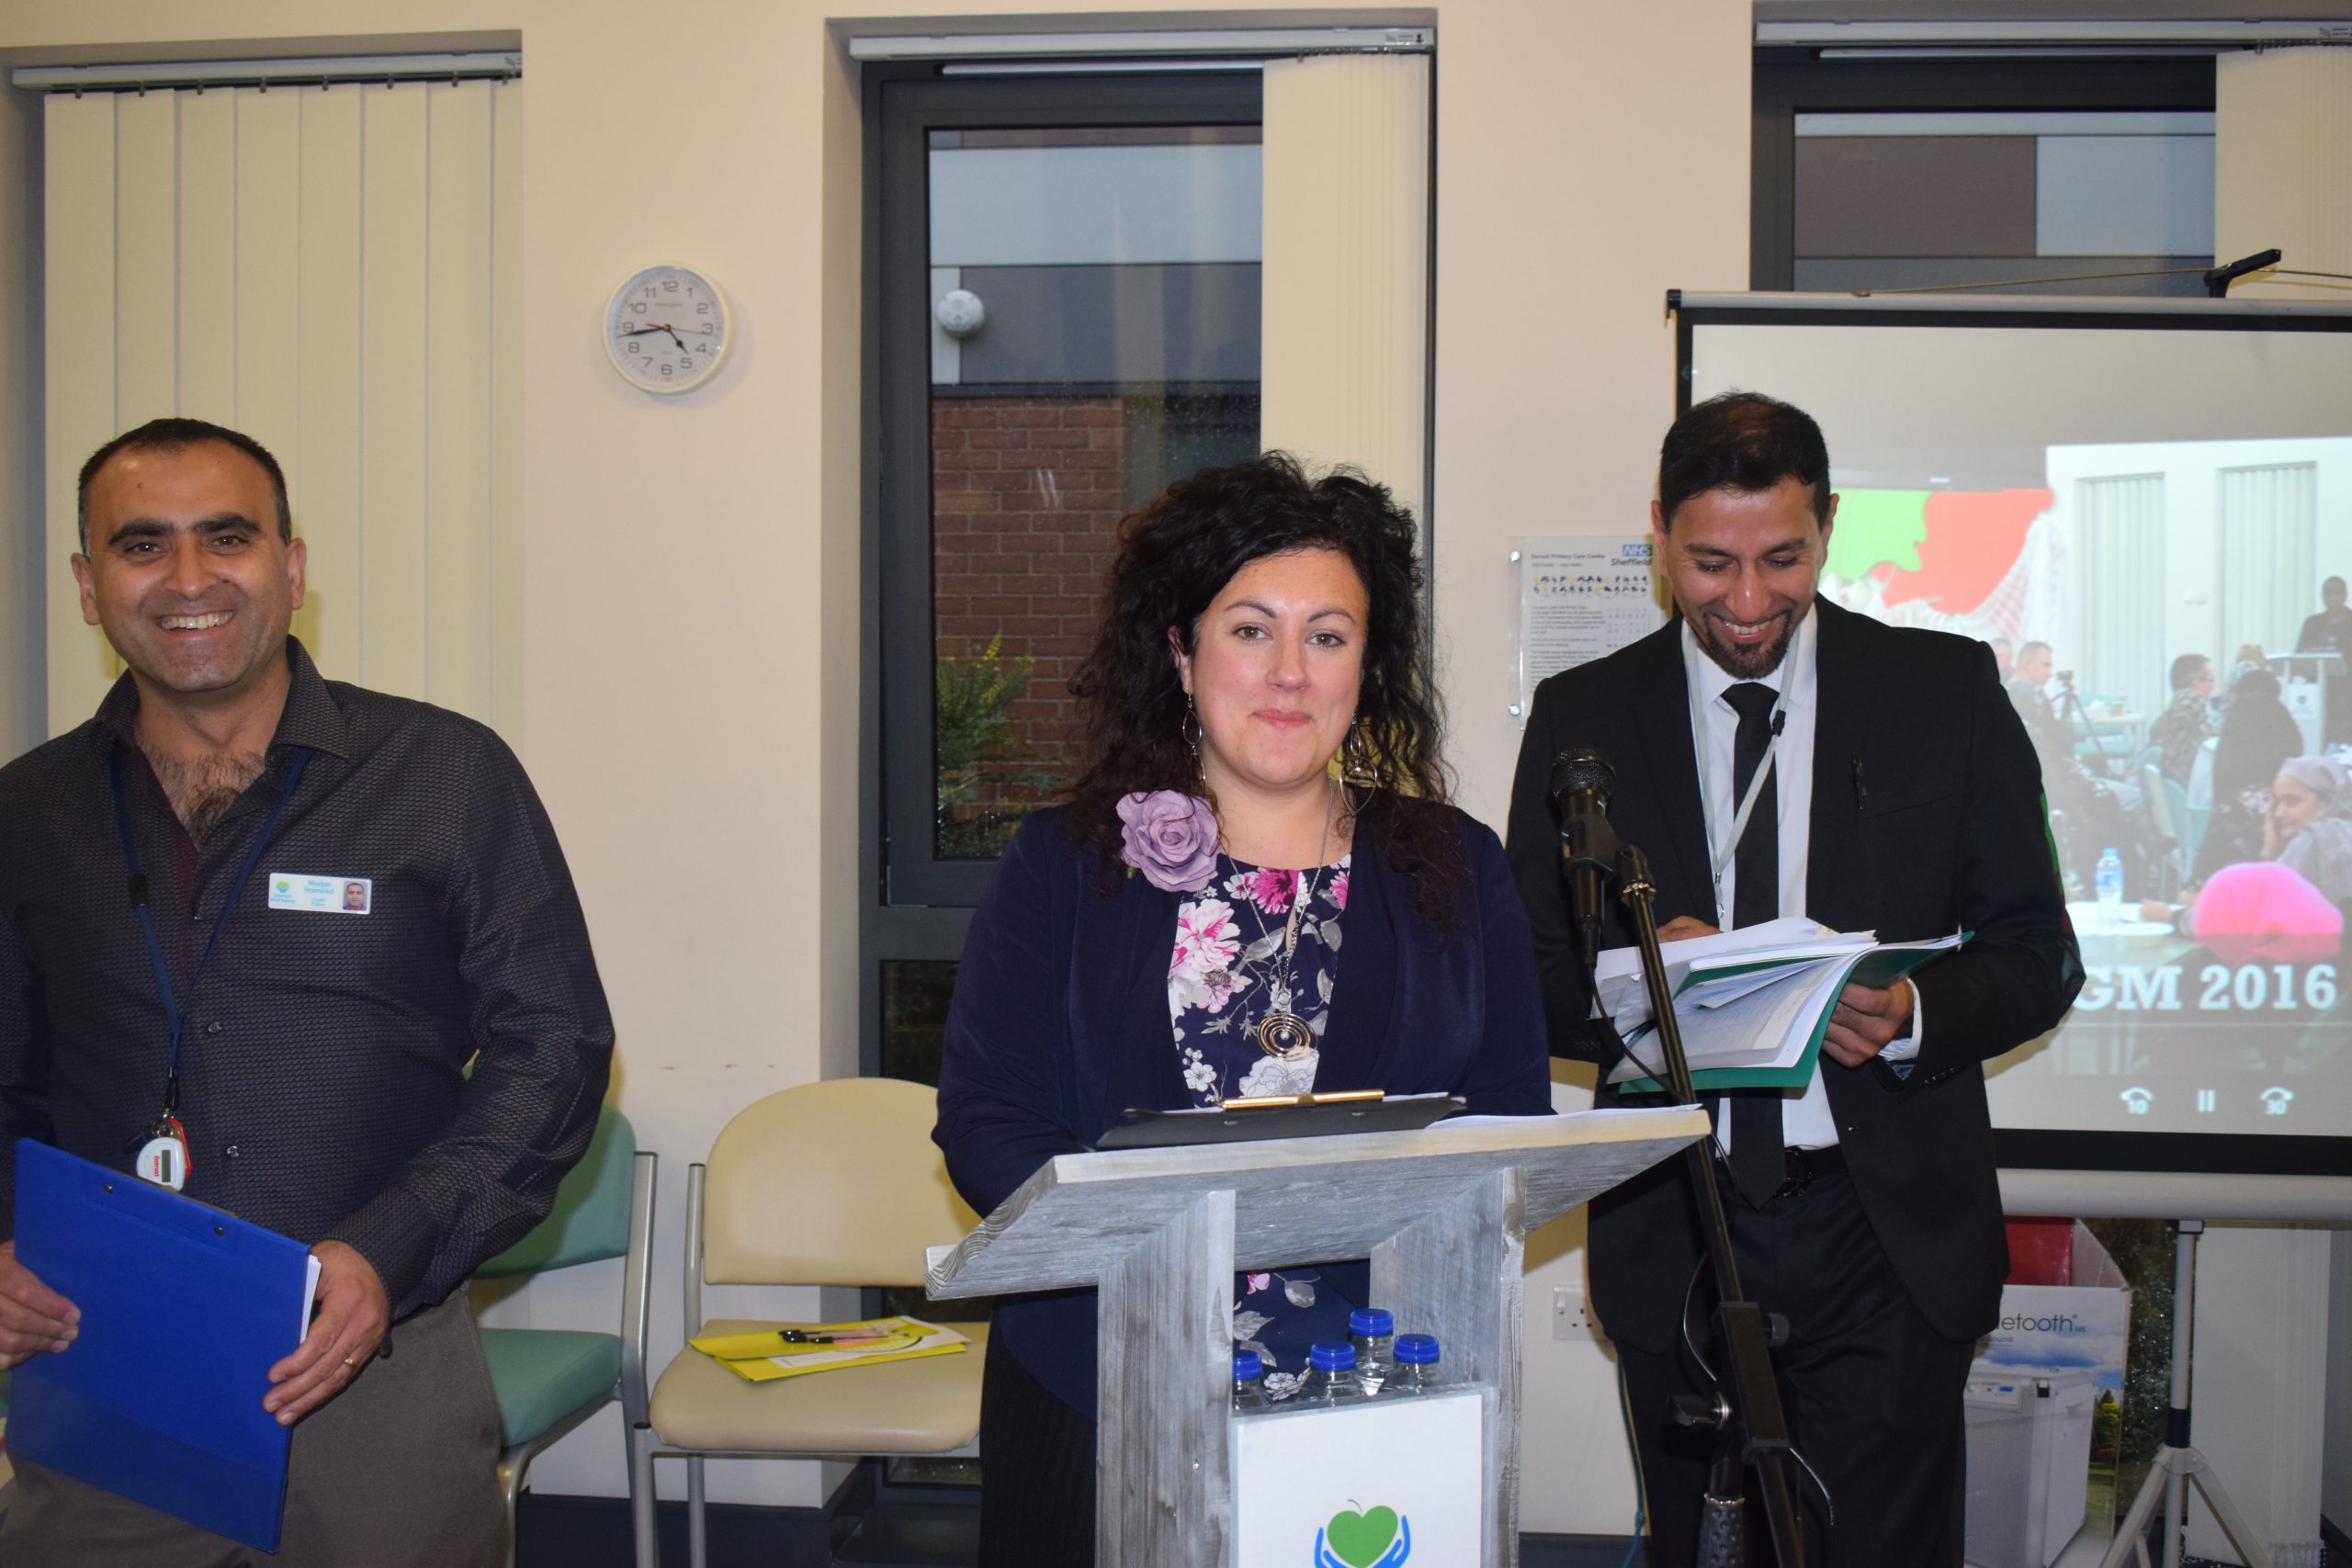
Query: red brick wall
{"points": [[1026, 493]]}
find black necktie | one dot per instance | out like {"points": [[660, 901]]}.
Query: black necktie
{"points": [[1758, 1167]]}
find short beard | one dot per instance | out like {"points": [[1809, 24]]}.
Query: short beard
{"points": [[1747, 663]]}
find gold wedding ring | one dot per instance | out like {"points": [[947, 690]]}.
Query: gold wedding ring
{"points": [[352, 1364]]}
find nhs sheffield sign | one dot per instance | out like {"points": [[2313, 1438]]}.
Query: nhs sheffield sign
{"points": [[1392, 1483]]}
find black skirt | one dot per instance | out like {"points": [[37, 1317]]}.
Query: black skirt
{"points": [[1036, 1472]]}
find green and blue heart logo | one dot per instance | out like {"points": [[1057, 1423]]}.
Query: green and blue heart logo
{"points": [[1364, 1537]]}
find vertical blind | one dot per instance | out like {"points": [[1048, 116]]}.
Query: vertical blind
{"points": [[2268, 561], [2120, 576], [1345, 360], [335, 271]]}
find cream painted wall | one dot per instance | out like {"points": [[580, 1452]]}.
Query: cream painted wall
{"points": [[691, 610], [21, 572]]}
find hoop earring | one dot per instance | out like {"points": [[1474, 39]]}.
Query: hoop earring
{"points": [[1359, 767], [1189, 730]]}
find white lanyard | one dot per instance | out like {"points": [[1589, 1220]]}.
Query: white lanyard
{"points": [[1723, 857]]}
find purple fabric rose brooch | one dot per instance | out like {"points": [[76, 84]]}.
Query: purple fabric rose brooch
{"points": [[1171, 836]]}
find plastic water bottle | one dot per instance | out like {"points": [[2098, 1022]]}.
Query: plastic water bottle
{"points": [[1249, 1383], [1417, 1365], [1371, 1332], [2110, 888], [1330, 1376]]}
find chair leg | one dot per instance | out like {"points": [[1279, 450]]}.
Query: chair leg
{"points": [[511, 1465], [697, 1538], [642, 1497]]}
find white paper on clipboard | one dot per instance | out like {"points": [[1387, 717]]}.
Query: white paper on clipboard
{"points": [[1580, 599]]}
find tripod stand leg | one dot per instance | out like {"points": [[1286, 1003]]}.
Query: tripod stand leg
{"points": [[2132, 1534], [2217, 1497]]}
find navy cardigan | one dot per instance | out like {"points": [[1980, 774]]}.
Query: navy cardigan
{"points": [[1060, 1021]]}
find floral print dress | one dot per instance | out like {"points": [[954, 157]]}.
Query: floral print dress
{"points": [[1229, 971], [1226, 974]]}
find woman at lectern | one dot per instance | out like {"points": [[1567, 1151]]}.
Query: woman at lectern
{"points": [[1258, 886]]}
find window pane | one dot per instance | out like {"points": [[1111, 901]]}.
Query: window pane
{"points": [[915, 995], [2076, 202], [1095, 335]]}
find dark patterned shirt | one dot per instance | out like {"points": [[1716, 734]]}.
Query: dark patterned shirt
{"points": [[2181, 730], [323, 1078]]}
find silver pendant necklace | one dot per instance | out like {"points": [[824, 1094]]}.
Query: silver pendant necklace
{"points": [[1282, 1033]]}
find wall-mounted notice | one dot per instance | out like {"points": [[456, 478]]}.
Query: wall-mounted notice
{"points": [[1578, 600]]}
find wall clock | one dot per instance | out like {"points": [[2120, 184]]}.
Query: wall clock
{"points": [[668, 329]]}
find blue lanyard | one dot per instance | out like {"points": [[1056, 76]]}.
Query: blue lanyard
{"points": [[172, 1010]]}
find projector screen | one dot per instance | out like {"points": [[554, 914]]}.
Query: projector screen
{"points": [[2125, 482]]}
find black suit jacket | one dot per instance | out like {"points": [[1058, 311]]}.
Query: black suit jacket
{"points": [[1926, 819]]}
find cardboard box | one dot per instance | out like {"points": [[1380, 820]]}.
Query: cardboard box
{"points": [[2044, 1410]]}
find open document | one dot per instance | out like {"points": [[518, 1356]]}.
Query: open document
{"points": [[1753, 1003]]}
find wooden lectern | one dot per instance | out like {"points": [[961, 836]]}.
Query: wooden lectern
{"points": [[1443, 1213]]}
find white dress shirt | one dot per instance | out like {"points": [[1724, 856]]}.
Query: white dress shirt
{"points": [[1805, 1120]]}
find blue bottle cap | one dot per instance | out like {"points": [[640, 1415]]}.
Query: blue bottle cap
{"points": [[1417, 1349], [1247, 1365], [1371, 1322], [1328, 1358]]}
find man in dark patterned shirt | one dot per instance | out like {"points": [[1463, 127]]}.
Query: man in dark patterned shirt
{"points": [[2188, 721], [313, 1053]]}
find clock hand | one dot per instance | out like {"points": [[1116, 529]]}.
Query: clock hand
{"points": [[641, 332], [676, 339]]}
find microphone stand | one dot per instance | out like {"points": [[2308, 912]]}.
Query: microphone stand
{"points": [[1750, 1428]]}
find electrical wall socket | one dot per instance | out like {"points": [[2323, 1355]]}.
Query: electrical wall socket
{"points": [[1570, 1320]]}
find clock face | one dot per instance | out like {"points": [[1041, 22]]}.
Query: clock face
{"points": [[668, 329]]}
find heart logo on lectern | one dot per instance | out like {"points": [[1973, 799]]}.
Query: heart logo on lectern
{"points": [[1365, 1539]]}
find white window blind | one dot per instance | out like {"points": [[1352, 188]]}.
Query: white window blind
{"points": [[1346, 273], [335, 271], [2121, 576], [2267, 560]]}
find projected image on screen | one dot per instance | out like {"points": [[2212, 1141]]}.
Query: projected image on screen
{"points": [[2204, 827], [2141, 524]]}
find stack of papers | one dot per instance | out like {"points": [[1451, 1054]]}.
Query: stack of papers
{"points": [[796, 1350], [1753, 1004]]}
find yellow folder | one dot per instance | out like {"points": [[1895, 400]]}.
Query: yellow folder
{"points": [[768, 1355]]}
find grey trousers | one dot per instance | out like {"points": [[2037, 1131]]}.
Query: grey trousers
{"points": [[399, 1470]]}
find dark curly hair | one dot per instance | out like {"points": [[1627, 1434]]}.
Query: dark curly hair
{"points": [[1174, 558]]}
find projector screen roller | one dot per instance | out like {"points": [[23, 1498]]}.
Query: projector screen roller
{"points": [[2099, 489]]}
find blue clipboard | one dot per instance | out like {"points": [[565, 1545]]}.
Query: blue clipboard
{"points": [[184, 1308]]}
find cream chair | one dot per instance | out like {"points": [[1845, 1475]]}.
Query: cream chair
{"points": [[831, 1183]]}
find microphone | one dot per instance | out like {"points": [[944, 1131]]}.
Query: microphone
{"points": [[1581, 780]]}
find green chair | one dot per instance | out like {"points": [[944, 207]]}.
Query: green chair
{"points": [[550, 1380]]}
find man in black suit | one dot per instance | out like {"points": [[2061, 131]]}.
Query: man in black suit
{"points": [[1901, 795]]}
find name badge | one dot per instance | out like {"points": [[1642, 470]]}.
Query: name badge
{"points": [[325, 895]]}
